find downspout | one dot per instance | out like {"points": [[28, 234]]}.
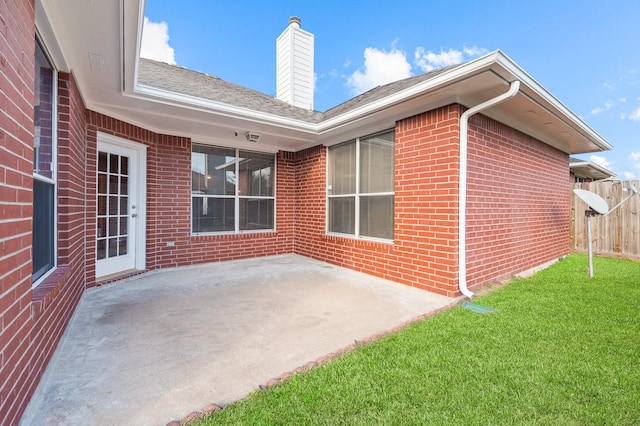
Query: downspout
{"points": [[462, 190]]}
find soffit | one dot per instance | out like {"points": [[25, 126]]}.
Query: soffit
{"points": [[98, 41], [588, 169]]}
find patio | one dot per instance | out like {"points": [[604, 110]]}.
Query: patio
{"points": [[152, 348]]}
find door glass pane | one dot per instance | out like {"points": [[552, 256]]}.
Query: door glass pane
{"points": [[113, 205], [122, 246], [102, 162], [114, 166], [102, 205], [113, 226], [124, 185], [102, 183], [102, 249], [342, 215], [124, 205], [124, 165], [113, 184], [113, 247], [102, 227]]}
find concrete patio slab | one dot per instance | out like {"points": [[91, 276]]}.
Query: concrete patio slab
{"points": [[152, 348]]}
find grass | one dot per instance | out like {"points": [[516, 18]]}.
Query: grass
{"points": [[562, 349]]}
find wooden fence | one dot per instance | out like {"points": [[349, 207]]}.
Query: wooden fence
{"points": [[617, 234]]}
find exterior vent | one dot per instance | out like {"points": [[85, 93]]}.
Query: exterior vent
{"points": [[252, 137]]}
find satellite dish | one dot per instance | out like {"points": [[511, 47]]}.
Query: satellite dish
{"points": [[593, 200]]}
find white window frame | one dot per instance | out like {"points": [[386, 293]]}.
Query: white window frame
{"points": [[237, 197], [358, 195], [53, 180]]}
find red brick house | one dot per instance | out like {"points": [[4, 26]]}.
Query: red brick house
{"points": [[111, 166], [588, 171]]}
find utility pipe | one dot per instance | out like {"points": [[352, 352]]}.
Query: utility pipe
{"points": [[462, 189]]}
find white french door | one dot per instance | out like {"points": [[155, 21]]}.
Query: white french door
{"points": [[121, 193]]}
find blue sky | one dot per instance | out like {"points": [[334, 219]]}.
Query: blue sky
{"points": [[586, 53]]}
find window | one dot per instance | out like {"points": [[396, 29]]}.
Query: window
{"points": [[44, 177], [231, 190], [360, 187]]}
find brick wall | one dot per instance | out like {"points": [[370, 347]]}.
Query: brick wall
{"points": [[169, 204], [518, 205], [55, 299], [423, 254], [33, 320], [518, 202], [16, 202]]}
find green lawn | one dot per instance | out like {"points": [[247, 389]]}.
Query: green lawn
{"points": [[562, 349]]}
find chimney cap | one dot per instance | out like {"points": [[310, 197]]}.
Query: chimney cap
{"points": [[294, 20]]}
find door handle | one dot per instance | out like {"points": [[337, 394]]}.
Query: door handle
{"points": [[134, 215]]}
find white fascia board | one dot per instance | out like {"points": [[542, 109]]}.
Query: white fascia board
{"points": [[592, 165], [45, 28], [131, 54], [460, 72], [525, 79], [150, 93]]}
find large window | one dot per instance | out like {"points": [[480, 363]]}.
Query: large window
{"points": [[360, 187], [44, 155], [231, 190]]}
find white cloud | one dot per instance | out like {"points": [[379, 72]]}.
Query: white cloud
{"points": [[428, 60], [155, 42], [608, 86], [380, 67], [607, 106], [474, 51], [635, 159], [635, 115], [601, 161]]}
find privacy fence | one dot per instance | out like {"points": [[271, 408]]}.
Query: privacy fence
{"points": [[616, 234]]}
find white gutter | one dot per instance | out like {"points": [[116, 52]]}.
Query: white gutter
{"points": [[462, 189]]}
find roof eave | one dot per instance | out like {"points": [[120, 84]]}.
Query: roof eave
{"points": [[557, 107]]}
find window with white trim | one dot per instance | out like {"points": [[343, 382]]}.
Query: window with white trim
{"points": [[360, 189], [232, 190], [44, 165]]}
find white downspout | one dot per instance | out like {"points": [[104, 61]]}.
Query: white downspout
{"points": [[462, 189]]}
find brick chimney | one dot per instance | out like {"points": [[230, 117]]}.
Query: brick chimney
{"points": [[294, 62]]}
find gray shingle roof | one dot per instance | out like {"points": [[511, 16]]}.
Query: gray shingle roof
{"points": [[187, 82], [192, 83]]}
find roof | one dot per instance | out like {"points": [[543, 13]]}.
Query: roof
{"points": [[188, 82], [589, 169], [99, 43]]}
